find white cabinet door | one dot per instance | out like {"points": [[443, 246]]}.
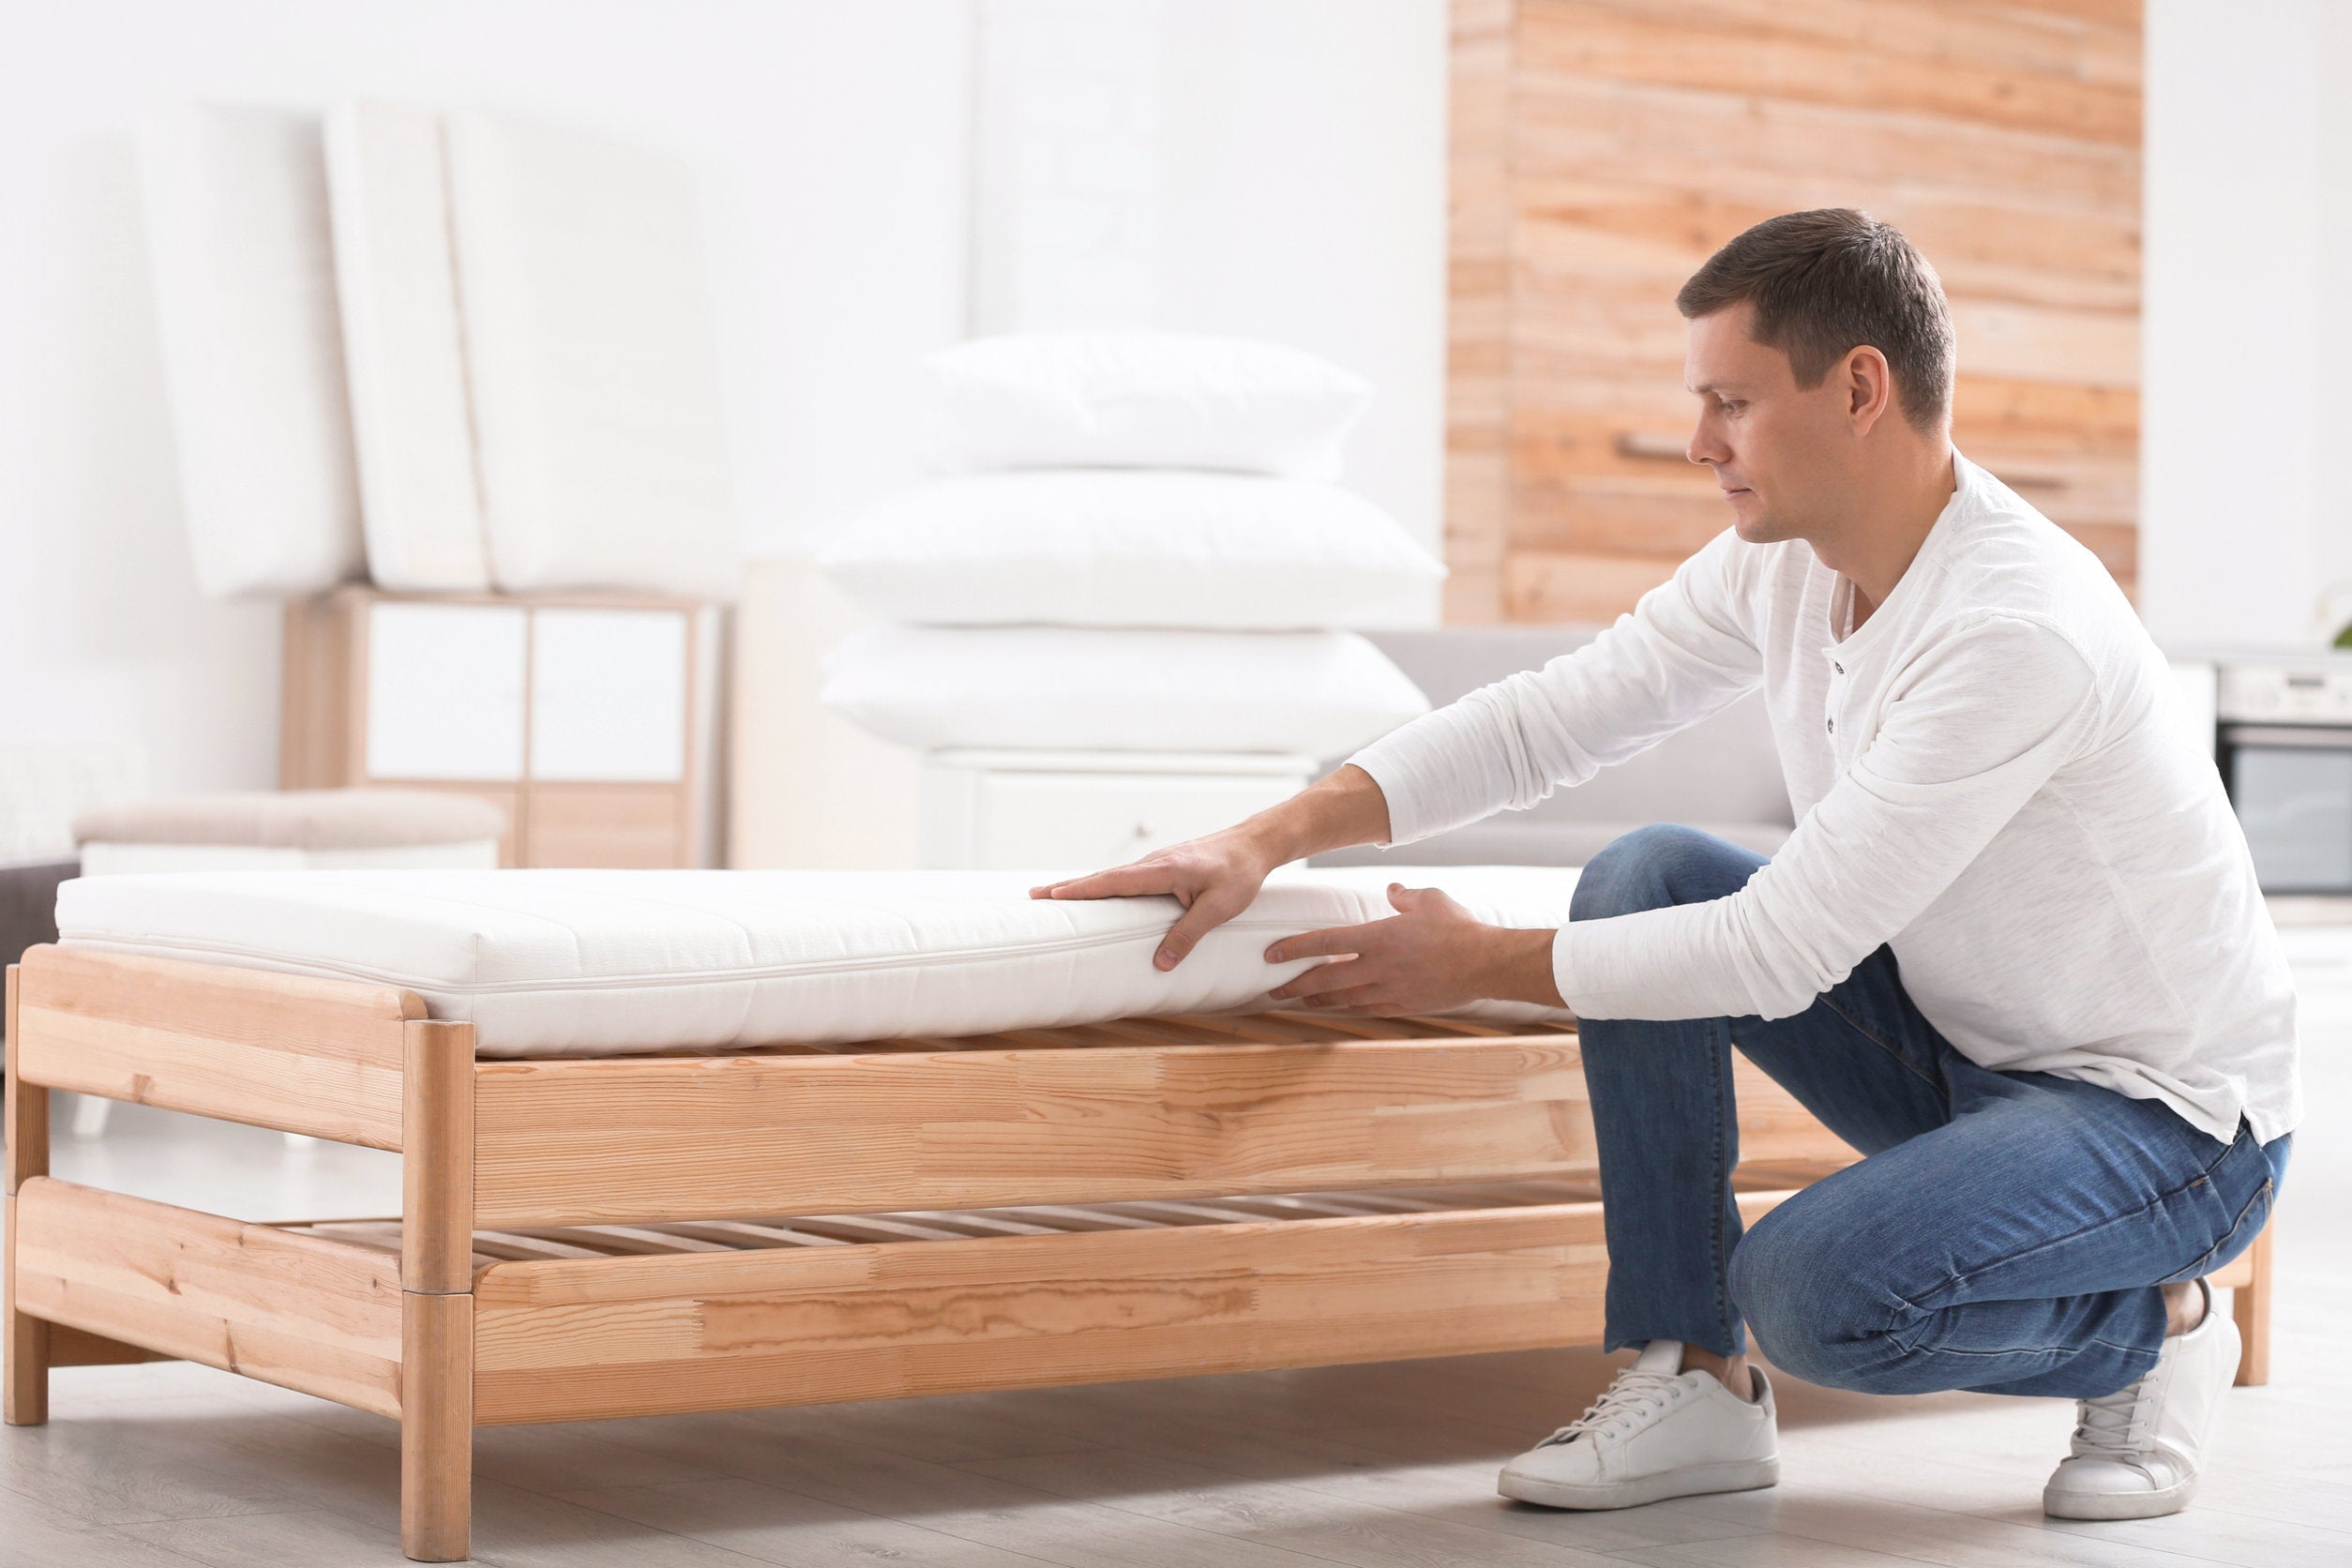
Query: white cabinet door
{"points": [[607, 696], [1012, 821], [444, 691]]}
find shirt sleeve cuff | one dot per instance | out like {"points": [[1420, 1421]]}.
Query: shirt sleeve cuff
{"points": [[1564, 966], [1393, 771]]}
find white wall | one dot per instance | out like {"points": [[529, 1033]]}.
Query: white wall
{"points": [[1263, 168], [830, 141], [2247, 319], [1304, 171]]}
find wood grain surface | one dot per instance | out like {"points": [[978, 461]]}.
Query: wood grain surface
{"points": [[1602, 149]]}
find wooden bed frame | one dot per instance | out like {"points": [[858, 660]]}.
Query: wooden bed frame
{"points": [[655, 1234]]}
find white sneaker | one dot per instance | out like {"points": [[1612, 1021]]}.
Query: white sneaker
{"points": [[2137, 1451], [1655, 1432]]}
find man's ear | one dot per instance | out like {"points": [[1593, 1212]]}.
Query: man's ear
{"points": [[1869, 387]]}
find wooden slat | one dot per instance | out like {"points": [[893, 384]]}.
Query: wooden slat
{"points": [[300, 1311], [579, 1141], [300, 1054], [744, 1233]]}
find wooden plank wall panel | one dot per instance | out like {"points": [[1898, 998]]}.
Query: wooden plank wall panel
{"points": [[1605, 147]]}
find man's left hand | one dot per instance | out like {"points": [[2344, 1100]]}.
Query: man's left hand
{"points": [[1431, 956]]}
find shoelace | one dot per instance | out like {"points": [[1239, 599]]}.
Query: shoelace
{"points": [[2111, 1426], [1627, 1396]]}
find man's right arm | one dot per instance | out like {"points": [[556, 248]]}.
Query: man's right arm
{"points": [[1686, 651]]}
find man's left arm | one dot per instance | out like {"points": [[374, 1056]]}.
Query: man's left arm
{"points": [[1977, 723]]}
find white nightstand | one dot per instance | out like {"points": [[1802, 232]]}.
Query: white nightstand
{"points": [[1018, 810]]}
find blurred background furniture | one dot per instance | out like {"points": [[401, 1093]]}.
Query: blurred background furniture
{"points": [[1008, 811], [1721, 776], [44, 786], [289, 830], [590, 720]]}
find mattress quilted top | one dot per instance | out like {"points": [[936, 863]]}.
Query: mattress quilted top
{"points": [[595, 963]]}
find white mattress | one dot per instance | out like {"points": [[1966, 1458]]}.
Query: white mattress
{"points": [[591, 362], [599, 963], [395, 275], [237, 223]]}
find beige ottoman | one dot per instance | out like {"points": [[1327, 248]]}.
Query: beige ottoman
{"points": [[282, 830], [290, 830]]}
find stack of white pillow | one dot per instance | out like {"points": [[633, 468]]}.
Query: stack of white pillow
{"points": [[1138, 545]]}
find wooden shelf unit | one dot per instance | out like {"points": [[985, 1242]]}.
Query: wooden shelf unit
{"points": [[592, 720]]}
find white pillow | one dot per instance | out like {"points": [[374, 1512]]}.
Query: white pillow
{"points": [[405, 348], [1107, 547], [235, 207], [1316, 693], [1142, 399], [591, 362]]}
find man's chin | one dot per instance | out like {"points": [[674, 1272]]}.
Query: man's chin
{"points": [[1757, 529]]}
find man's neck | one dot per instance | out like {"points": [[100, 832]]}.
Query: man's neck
{"points": [[1883, 534]]}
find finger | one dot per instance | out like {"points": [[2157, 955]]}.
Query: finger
{"points": [[1402, 898], [1201, 915], [1322, 977], [1120, 881], [1331, 941]]}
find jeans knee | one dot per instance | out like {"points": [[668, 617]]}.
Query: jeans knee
{"points": [[1659, 866], [1812, 1305]]}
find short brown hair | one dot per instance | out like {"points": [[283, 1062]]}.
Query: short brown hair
{"points": [[1824, 284]]}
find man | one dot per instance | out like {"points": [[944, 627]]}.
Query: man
{"points": [[2014, 951]]}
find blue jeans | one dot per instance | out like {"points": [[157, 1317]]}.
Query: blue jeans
{"points": [[2006, 1231]]}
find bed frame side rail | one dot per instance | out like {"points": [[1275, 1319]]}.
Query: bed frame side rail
{"points": [[286, 1051]]}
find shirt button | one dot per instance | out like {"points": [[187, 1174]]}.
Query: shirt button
{"points": [[1832, 724], [1839, 668]]}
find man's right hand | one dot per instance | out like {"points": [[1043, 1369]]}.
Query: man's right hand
{"points": [[1216, 877]]}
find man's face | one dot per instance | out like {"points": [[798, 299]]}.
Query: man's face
{"points": [[1779, 451]]}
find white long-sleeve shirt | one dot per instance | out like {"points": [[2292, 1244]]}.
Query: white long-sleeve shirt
{"points": [[1989, 776]]}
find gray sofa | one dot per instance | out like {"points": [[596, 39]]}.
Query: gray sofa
{"points": [[1721, 775]]}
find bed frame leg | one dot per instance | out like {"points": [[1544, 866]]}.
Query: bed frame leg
{"points": [[26, 1392], [436, 1426], [437, 1279], [27, 1351], [2250, 1305]]}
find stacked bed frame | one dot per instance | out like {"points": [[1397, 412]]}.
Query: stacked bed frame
{"points": [[641, 1235]]}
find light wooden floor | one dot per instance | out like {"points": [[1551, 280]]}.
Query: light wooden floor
{"points": [[1393, 1465]]}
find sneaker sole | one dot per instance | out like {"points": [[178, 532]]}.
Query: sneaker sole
{"points": [[1746, 1476], [2118, 1505]]}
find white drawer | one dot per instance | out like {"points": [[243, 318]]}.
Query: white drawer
{"points": [[1004, 820], [445, 690]]}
